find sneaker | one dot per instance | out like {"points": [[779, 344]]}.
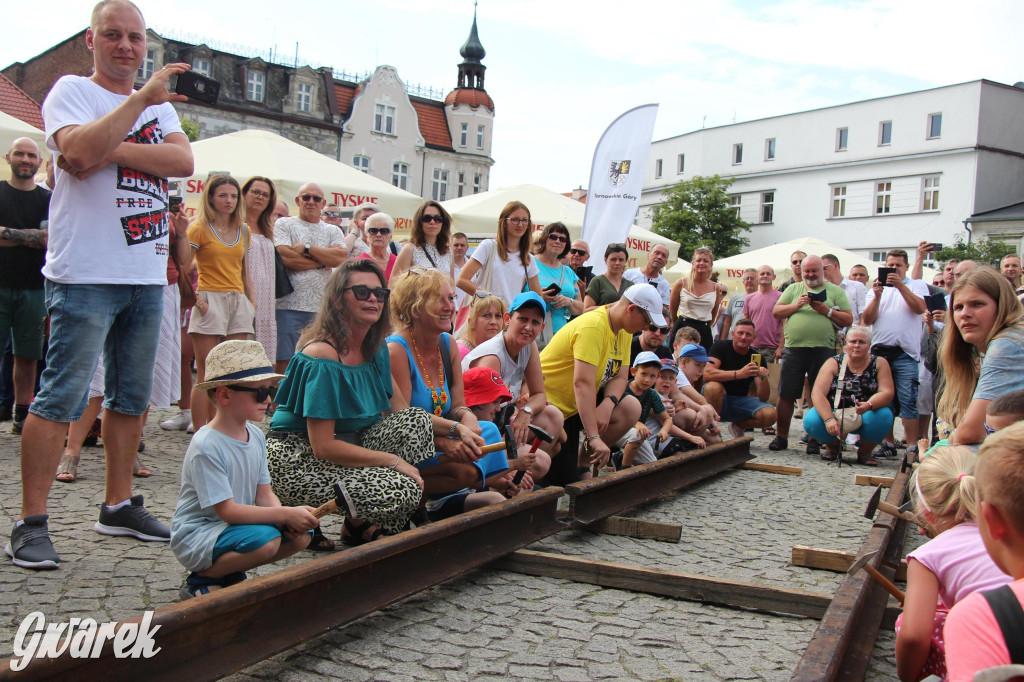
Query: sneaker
{"points": [[805, 439], [179, 422], [133, 520], [778, 443], [886, 450], [17, 425], [813, 447], [30, 545]]}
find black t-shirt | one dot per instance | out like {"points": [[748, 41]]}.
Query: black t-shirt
{"points": [[730, 360], [21, 266], [661, 351]]}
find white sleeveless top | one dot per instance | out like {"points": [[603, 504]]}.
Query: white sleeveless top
{"points": [[694, 307], [512, 370], [421, 256]]}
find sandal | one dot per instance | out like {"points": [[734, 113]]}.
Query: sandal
{"points": [[320, 542], [867, 460], [197, 585], [68, 471], [356, 535], [768, 430], [831, 452], [139, 469]]}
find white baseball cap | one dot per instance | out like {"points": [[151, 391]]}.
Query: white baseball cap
{"points": [[648, 299]]}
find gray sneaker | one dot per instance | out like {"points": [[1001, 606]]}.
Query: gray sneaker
{"points": [[133, 520], [30, 545]]}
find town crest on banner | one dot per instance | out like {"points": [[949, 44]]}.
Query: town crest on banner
{"points": [[619, 172]]}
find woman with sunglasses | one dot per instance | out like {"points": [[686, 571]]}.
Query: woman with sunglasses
{"points": [[378, 229], [696, 300], [260, 198], [430, 242], [342, 418], [485, 320], [981, 353], [607, 288], [505, 264], [557, 281]]}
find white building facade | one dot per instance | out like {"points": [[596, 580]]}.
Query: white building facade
{"points": [[867, 176]]}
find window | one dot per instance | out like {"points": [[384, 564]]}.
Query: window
{"points": [[879, 256], [734, 201], [657, 168], [148, 66], [439, 191], [304, 97], [464, 135], [360, 162], [769, 149], [462, 183], [883, 197], [884, 133], [842, 137], [934, 126], [476, 183], [839, 201], [201, 66], [931, 194], [384, 119], [737, 154], [400, 175], [255, 86], [479, 137], [767, 206], [681, 164]]}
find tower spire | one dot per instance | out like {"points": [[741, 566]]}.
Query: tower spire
{"points": [[471, 71]]}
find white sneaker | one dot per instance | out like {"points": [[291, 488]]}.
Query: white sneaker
{"points": [[179, 422]]}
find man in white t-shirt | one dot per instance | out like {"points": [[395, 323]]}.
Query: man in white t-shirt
{"points": [[651, 273], [855, 291], [106, 268], [310, 250], [460, 245]]}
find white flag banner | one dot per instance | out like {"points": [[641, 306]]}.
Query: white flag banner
{"points": [[616, 178]]}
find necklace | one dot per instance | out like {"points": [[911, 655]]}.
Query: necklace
{"points": [[437, 395]]}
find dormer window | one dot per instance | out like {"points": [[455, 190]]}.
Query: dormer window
{"points": [[201, 65], [304, 97], [255, 85], [148, 65]]}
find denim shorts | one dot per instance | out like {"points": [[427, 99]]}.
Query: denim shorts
{"points": [[739, 408], [122, 321], [905, 377]]}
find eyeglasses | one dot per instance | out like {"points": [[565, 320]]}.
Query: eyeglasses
{"points": [[315, 198], [332, 214], [796, 262], [558, 237], [519, 221], [431, 219], [578, 252], [372, 231], [260, 193], [656, 328], [262, 393], [989, 430], [362, 292]]}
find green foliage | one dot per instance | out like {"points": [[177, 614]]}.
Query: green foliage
{"points": [[698, 212], [190, 128], [982, 250]]}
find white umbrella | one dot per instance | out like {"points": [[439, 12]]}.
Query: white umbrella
{"points": [[11, 129]]}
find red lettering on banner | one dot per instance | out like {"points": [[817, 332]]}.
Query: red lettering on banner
{"points": [[344, 200], [195, 186], [729, 272], [403, 224]]}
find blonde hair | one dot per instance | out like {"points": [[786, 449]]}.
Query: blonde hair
{"points": [[1000, 473], [957, 357], [478, 307], [686, 334], [944, 484], [692, 277], [414, 290]]}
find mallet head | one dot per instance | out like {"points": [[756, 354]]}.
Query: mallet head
{"points": [[541, 434], [511, 449], [860, 563], [869, 513]]}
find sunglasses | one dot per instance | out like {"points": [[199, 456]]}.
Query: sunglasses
{"points": [[578, 252], [656, 328], [796, 262], [558, 237], [989, 430], [431, 219], [332, 214], [315, 198], [262, 393], [362, 292], [372, 231]]}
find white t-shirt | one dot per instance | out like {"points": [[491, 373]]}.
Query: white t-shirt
{"points": [[637, 276], [513, 370], [309, 285], [507, 278], [896, 325], [857, 293], [111, 227]]}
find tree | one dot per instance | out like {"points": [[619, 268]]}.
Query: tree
{"points": [[190, 128], [699, 212], [984, 250]]}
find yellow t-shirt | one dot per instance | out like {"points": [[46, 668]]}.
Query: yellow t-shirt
{"points": [[588, 338], [219, 263]]}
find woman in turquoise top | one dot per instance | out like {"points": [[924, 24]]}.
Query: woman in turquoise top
{"points": [[341, 418], [550, 248]]}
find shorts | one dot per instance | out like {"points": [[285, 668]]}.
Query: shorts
{"points": [[800, 363], [120, 320], [230, 313], [244, 539], [439, 508], [738, 408], [645, 453], [290, 324], [23, 316], [904, 376]]}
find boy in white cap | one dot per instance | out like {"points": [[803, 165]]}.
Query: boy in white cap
{"points": [[228, 520], [636, 444]]}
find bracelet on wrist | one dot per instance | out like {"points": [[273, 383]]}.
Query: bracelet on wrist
{"points": [[397, 462], [831, 419], [453, 431]]}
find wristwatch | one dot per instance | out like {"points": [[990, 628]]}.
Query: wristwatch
{"points": [[528, 410], [453, 431], [614, 399], [307, 245]]}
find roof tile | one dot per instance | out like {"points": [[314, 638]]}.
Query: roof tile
{"points": [[17, 103], [433, 122]]}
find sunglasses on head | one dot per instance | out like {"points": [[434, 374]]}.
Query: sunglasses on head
{"points": [[262, 393], [315, 198], [431, 219], [362, 292], [378, 230], [578, 252]]}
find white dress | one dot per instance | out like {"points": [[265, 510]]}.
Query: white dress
{"points": [[262, 274], [428, 256]]}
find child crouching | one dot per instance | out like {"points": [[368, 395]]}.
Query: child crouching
{"points": [[228, 519]]}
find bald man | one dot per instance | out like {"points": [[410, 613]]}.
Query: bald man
{"points": [[310, 250]]}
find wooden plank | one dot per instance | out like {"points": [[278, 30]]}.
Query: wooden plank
{"points": [[832, 560], [631, 527], [772, 468], [703, 589], [873, 481]]}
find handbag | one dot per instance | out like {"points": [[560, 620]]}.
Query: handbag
{"points": [[282, 285], [849, 420], [186, 291]]}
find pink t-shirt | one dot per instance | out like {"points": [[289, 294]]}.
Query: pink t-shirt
{"points": [[973, 638], [758, 309], [958, 559]]}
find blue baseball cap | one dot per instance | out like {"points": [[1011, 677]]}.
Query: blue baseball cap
{"points": [[669, 365], [694, 352], [528, 298], [646, 358]]}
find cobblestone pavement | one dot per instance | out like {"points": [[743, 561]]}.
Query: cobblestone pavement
{"points": [[493, 624]]}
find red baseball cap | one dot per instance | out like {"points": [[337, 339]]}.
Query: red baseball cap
{"points": [[483, 385]]}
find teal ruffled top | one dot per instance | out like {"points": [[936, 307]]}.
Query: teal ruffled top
{"points": [[353, 396]]}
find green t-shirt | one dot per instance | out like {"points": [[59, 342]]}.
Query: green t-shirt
{"points": [[805, 328], [603, 292]]}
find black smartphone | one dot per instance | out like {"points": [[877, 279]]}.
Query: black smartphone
{"points": [[819, 296], [197, 87], [174, 203], [935, 302], [935, 246], [552, 289], [883, 275]]}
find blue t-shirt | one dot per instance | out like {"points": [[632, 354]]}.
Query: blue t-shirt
{"points": [[421, 396], [566, 278], [1001, 367]]}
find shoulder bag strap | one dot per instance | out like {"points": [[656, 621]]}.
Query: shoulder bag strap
{"points": [[429, 258], [1007, 610], [842, 373], [446, 359]]}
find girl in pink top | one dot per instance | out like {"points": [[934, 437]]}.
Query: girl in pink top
{"points": [[946, 569]]}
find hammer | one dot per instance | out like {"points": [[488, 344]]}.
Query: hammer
{"points": [[508, 444], [877, 504], [539, 436], [862, 563], [341, 500]]}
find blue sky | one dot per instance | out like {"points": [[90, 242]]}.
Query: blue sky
{"points": [[560, 71]]}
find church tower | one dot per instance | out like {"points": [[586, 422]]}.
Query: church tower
{"points": [[470, 112]]}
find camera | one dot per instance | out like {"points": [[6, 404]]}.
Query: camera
{"points": [[197, 87], [848, 385]]}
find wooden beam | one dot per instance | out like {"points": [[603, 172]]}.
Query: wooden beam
{"points": [[832, 560], [873, 481], [631, 527], [771, 598], [772, 468]]}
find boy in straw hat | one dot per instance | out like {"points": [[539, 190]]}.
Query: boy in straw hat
{"points": [[228, 520]]}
